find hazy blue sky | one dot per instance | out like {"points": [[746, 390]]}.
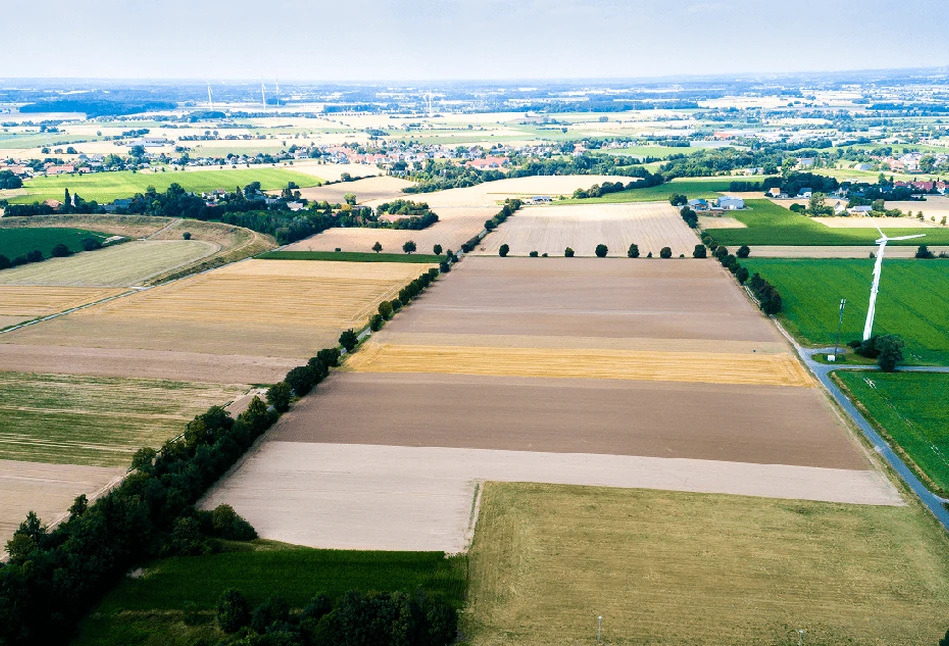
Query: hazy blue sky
{"points": [[465, 39]]}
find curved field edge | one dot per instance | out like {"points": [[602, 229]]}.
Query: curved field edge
{"points": [[903, 427], [671, 568]]}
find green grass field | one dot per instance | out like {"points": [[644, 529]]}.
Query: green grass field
{"points": [[693, 187], [666, 568], [910, 408], [16, 242], [105, 187], [99, 421], [771, 224], [913, 300], [148, 610], [353, 256], [124, 265]]}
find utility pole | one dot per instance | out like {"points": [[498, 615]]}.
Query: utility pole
{"points": [[599, 627], [800, 637], [840, 323]]}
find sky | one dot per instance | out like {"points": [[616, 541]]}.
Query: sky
{"points": [[362, 40]]}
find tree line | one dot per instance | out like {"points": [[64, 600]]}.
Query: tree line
{"points": [[58, 251]]}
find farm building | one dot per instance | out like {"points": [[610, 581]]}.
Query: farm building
{"points": [[860, 210], [698, 205], [730, 203]]}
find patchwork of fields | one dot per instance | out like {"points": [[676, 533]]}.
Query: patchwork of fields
{"points": [[627, 374], [552, 229]]}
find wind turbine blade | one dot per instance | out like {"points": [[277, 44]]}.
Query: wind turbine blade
{"points": [[918, 235], [882, 235]]}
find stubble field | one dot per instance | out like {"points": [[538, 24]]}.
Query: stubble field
{"points": [[551, 229]]}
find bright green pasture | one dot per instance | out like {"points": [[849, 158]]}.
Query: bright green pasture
{"points": [[913, 300], [911, 409], [105, 187], [771, 224], [19, 241]]}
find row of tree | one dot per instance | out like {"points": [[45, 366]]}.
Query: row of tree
{"points": [[511, 206], [58, 251], [53, 577], [356, 619]]}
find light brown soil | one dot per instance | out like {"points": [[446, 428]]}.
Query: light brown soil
{"points": [[365, 190], [723, 222], [455, 226], [551, 229], [47, 489], [156, 364], [762, 424], [348, 496]]}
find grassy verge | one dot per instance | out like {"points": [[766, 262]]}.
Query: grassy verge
{"points": [[913, 300], [771, 224], [682, 568], [353, 256], [16, 242], [100, 421], [148, 610], [909, 409]]}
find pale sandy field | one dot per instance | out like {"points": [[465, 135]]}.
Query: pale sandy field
{"points": [[935, 206], [368, 189], [258, 307], [47, 489], [494, 193], [724, 222], [550, 229], [455, 226], [403, 498]]}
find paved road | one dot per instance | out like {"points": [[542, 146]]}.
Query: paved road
{"points": [[823, 373]]}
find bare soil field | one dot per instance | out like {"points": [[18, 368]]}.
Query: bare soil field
{"points": [[371, 188], [22, 303], [47, 489], [935, 206], [635, 365], [587, 297], [760, 424], [149, 364], [494, 193], [348, 496], [125, 265], [258, 307], [550, 229], [455, 226], [892, 251], [723, 222]]}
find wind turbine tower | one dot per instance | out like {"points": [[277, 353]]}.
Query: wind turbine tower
{"points": [[263, 97], [430, 112], [210, 100], [277, 91], [875, 287]]}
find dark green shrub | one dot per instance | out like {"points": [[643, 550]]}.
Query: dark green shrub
{"points": [[385, 310], [233, 612], [279, 396], [274, 609], [601, 251], [375, 323], [665, 252], [533, 254], [301, 380], [743, 251], [349, 340], [568, 253], [700, 251], [60, 251], [633, 251], [504, 250]]}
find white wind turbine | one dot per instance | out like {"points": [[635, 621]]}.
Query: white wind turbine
{"points": [[875, 288]]}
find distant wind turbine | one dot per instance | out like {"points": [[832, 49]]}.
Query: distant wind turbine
{"points": [[210, 101], [875, 287], [263, 97]]}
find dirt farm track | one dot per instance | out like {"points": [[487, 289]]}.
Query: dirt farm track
{"points": [[402, 444]]}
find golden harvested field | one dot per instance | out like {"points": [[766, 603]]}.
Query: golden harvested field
{"points": [[698, 367], [287, 308], [550, 229], [455, 226], [367, 189], [699, 569], [21, 303], [125, 265]]}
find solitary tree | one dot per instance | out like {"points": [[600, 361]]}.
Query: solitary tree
{"points": [[437, 249], [186, 235], [743, 251], [377, 247], [700, 251], [890, 348], [409, 246], [568, 253], [923, 253], [633, 251], [665, 252], [503, 251], [349, 340], [601, 251]]}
